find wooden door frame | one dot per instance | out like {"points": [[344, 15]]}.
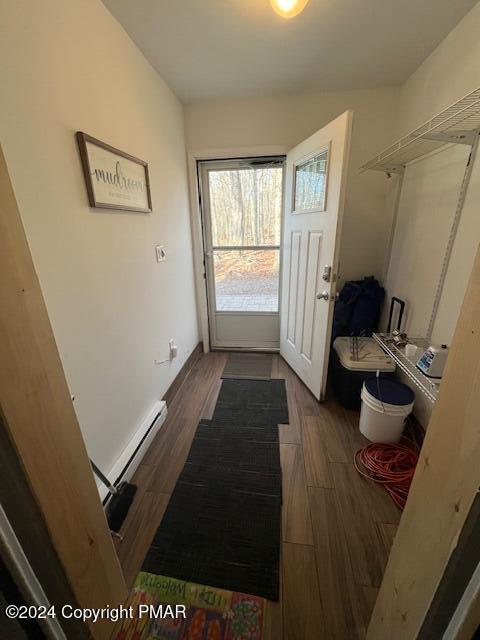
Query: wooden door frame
{"points": [[193, 157], [446, 482], [43, 427], [31, 534]]}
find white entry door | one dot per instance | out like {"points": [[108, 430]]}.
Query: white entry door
{"points": [[316, 173], [242, 218]]}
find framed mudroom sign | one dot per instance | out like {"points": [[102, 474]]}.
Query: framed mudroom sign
{"points": [[114, 179]]}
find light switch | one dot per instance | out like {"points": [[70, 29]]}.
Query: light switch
{"points": [[160, 253]]}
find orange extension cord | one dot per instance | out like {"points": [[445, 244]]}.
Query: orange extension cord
{"points": [[391, 465]]}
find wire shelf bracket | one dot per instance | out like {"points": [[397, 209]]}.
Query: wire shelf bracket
{"points": [[457, 124], [423, 383]]}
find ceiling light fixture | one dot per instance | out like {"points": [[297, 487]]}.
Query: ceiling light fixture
{"points": [[288, 8]]}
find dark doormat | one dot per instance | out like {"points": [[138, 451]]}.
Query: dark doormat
{"points": [[248, 366], [222, 524], [249, 401], [241, 428]]}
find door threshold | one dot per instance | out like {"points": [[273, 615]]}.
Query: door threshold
{"points": [[246, 349]]}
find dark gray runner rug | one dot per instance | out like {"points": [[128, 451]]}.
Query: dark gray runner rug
{"points": [[248, 366], [222, 524], [252, 402]]}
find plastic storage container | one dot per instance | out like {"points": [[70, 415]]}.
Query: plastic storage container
{"points": [[386, 404], [350, 368]]}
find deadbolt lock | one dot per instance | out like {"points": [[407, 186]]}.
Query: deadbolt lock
{"points": [[327, 273]]}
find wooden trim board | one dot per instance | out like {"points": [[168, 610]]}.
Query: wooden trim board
{"points": [[444, 487], [24, 516], [43, 426], [459, 572]]}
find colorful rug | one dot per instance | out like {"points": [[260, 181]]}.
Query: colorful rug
{"points": [[210, 613]]}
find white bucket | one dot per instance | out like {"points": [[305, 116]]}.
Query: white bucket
{"points": [[380, 421]]}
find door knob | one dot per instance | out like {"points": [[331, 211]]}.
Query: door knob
{"points": [[323, 296]]}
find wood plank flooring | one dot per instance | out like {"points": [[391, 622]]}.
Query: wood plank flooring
{"points": [[337, 527]]}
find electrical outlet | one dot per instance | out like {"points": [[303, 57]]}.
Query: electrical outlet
{"points": [[173, 349], [160, 253]]}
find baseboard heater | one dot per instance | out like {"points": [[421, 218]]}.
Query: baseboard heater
{"points": [[132, 455]]}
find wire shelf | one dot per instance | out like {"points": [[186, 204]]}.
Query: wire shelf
{"points": [[426, 385], [459, 123]]}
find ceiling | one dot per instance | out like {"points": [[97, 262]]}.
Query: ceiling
{"points": [[222, 49]]}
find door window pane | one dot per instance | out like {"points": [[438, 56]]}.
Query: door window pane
{"points": [[310, 183], [245, 206], [246, 280]]}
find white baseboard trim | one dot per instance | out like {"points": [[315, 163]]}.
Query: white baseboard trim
{"points": [[132, 455]]}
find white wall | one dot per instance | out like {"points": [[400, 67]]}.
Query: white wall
{"points": [[113, 308], [431, 189], [425, 214], [450, 72], [432, 186], [287, 120]]}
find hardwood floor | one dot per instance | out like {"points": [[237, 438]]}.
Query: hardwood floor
{"points": [[337, 527]]}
